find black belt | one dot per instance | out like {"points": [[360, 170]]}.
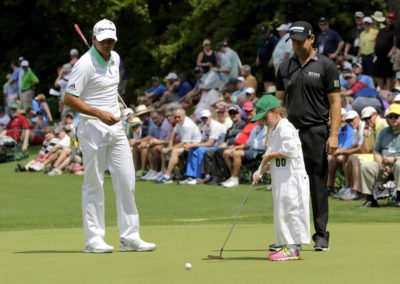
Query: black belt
{"points": [[367, 55]]}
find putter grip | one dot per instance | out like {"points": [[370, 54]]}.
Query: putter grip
{"points": [[79, 32]]}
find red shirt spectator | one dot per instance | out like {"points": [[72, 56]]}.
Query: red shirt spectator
{"points": [[245, 134], [15, 127]]}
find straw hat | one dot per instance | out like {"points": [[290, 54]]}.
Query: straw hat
{"points": [[135, 121], [378, 16], [141, 109]]}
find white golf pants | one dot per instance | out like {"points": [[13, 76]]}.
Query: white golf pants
{"points": [[106, 147]]}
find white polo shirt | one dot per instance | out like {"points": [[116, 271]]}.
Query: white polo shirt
{"points": [[96, 81], [189, 132]]}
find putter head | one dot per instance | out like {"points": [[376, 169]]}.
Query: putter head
{"points": [[215, 256], [126, 113]]}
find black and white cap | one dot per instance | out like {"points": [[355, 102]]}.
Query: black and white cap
{"points": [[300, 30]]}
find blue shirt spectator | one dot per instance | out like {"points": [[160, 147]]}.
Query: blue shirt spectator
{"points": [[158, 90], [345, 138], [182, 89], [161, 131]]}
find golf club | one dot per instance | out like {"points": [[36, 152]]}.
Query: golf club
{"points": [[233, 224], [127, 112]]}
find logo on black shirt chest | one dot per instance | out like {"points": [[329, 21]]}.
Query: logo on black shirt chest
{"points": [[313, 75]]}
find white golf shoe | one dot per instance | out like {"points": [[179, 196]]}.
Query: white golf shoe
{"points": [[136, 245], [98, 246], [231, 182]]}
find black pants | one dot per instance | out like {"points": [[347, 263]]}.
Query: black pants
{"points": [[313, 141]]}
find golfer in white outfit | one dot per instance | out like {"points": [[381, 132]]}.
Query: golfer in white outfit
{"points": [[290, 184], [93, 91]]}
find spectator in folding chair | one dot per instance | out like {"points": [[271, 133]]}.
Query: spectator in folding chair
{"points": [[386, 159], [373, 126], [253, 149], [214, 167], [151, 146], [345, 139], [188, 133], [354, 120], [213, 134]]}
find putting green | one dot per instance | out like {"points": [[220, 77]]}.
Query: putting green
{"points": [[360, 253]]}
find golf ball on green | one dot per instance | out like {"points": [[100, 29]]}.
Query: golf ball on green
{"points": [[188, 266]]}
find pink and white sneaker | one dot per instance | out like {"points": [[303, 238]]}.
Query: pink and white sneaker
{"points": [[286, 253]]}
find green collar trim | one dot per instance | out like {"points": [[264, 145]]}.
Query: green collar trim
{"points": [[99, 58]]}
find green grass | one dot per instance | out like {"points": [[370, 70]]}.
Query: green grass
{"points": [[41, 237]]}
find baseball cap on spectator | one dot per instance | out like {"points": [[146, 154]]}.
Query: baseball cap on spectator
{"points": [[391, 16], [367, 112], [25, 63], [248, 106], [270, 90], [283, 27], [300, 30], [74, 52], [105, 29], [233, 108], [205, 113], [378, 16], [70, 114], [57, 130], [394, 108], [359, 14], [242, 79], [21, 58], [14, 106], [323, 19], [367, 20], [264, 105], [221, 108], [155, 78], [250, 90], [67, 67], [356, 64], [397, 99], [198, 69], [68, 127], [172, 76], [351, 114]]}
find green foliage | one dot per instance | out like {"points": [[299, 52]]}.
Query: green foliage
{"points": [[155, 37]]}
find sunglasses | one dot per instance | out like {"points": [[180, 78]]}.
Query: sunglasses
{"points": [[349, 120], [233, 112], [177, 117], [366, 118], [247, 111], [393, 116]]}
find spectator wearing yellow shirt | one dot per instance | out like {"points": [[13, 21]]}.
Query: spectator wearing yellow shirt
{"points": [[367, 45]]}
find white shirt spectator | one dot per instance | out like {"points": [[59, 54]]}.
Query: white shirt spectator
{"points": [[65, 142], [215, 131], [4, 121], [359, 134], [281, 48], [189, 132]]}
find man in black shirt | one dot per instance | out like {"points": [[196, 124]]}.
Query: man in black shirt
{"points": [[308, 85], [264, 56]]}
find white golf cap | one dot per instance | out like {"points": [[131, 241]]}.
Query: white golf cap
{"points": [[242, 79], [367, 20], [250, 90], [105, 29], [351, 114], [283, 27], [367, 112], [396, 98], [25, 63], [171, 76], [205, 113], [73, 51]]}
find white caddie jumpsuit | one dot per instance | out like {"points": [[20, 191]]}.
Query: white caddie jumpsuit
{"points": [[103, 147], [290, 186]]}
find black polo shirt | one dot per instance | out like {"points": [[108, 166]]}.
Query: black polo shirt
{"points": [[307, 89]]}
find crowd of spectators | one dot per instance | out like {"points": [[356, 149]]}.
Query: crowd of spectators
{"points": [[203, 131]]}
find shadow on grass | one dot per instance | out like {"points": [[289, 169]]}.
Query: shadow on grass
{"points": [[224, 258], [48, 251]]}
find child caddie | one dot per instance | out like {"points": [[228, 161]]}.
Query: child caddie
{"points": [[290, 184]]}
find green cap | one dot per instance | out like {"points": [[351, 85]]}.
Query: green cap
{"points": [[14, 106], [264, 105]]}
